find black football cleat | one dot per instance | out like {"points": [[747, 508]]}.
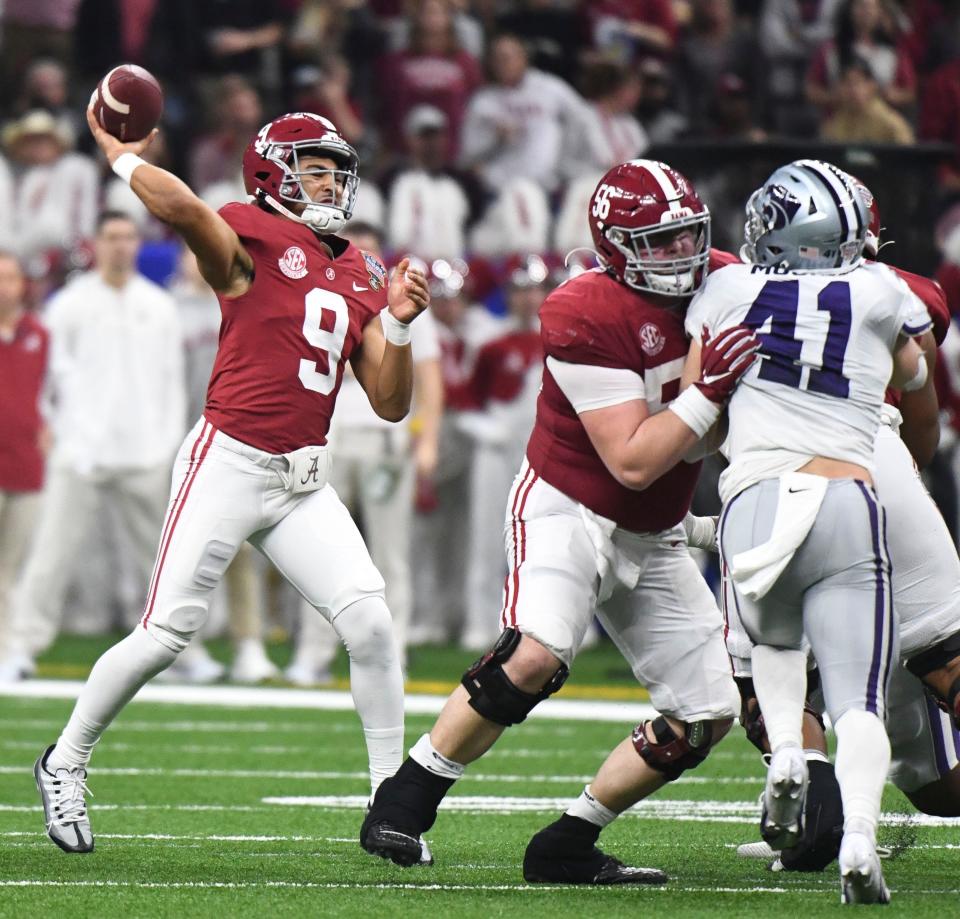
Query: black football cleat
{"points": [[390, 842], [555, 858]]}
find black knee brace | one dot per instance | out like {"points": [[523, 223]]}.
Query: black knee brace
{"points": [[752, 718], [492, 693], [669, 754]]}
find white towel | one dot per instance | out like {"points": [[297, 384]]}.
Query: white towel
{"points": [[756, 570], [613, 566]]}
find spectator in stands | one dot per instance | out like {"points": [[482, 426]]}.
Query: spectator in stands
{"points": [[862, 115], [611, 133], [23, 367], [657, 112], [715, 43], [46, 86], [55, 191], [238, 115], [505, 383], [118, 196], [441, 525], [243, 36], [864, 31], [788, 33], [433, 69], [518, 124], [554, 34], [940, 118], [118, 416], [635, 28], [32, 31], [732, 116], [376, 466], [325, 90], [428, 208]]}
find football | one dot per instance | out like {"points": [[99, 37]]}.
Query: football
{"points": [[128, 102]]}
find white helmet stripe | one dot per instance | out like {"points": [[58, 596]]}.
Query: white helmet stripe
{"points": [[109, 99], [670, 191]]}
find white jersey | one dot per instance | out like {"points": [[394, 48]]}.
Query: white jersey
{"points": [[823, 368]]}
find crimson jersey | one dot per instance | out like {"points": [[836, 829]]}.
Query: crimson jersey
{"points": [[23, 367], [503, 365], [935, 300], [284, 343], [593, 319]]}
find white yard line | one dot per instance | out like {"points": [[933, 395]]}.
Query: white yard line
{"points": [[629, 713]]}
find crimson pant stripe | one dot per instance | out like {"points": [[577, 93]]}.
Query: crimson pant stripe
{"points": [[880, 609], [185, 489], [173, 507], [511, 575], [936, 732], [523, 550], [519, 540]]}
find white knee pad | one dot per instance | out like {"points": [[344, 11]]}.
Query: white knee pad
{"points": [[366, 630], [174, 623]]}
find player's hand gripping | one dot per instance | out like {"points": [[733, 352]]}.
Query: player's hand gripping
{"points": [[112, 147], [408, 295], [725, 358]]}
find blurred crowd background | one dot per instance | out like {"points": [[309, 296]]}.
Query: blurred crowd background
{"points": [[482, 129]]}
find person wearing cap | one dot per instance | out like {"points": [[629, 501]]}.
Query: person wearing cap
{"points": [[504, 383], [427, 206], [441, 524], [47, 178], [376, 466]]}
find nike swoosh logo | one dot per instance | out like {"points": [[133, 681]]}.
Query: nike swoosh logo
{"points": [[358, 288], [793, 491]]}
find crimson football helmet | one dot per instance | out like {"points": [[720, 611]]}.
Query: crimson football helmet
{"points": [[272, 172], [871, 243], [635, 209]]}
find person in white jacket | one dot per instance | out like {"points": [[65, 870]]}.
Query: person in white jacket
{"points": [[118, 416]]}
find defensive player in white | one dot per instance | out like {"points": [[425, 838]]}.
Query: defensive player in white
{"points": [[802, 532], [924, 740], [297, 302]]}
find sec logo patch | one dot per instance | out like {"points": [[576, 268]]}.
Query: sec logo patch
{"points": [[651, 338], [293, 263]]}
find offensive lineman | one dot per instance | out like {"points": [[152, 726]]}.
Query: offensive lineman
{"points": [[802, 533], [583, 537], [297, 302]]}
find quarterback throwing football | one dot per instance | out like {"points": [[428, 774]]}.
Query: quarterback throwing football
{"points": [[297, 302]]}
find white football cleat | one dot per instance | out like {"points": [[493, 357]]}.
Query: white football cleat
{"points": [[193, 665], [303, 674], [759, 849], [16, 667], [64, 807], [251, 664], [784, 797], [861, 878]]}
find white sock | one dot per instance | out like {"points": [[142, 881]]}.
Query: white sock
{"points": [[384, 752], [114, 681], [816, 756], [780, 680], [376, 682], [424, 753], [588, 808], [863, 758]]}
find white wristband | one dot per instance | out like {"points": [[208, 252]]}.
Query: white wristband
{"points": [[695, 410], [395, 331], [124, 165]]}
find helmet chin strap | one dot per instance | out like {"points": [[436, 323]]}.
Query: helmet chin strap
{"points": [[319, 217], [673, 285]]}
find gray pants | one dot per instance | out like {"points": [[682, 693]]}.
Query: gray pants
{"points": [[835, 590]]}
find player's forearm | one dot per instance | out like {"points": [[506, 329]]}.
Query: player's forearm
{"points": [[394, 386], [658, 444], [166, 197]]}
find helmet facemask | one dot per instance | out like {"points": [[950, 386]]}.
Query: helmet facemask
{"points": [[326, 216], [677, 277]]}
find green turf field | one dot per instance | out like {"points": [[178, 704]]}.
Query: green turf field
{"points": [[196, 813]]}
